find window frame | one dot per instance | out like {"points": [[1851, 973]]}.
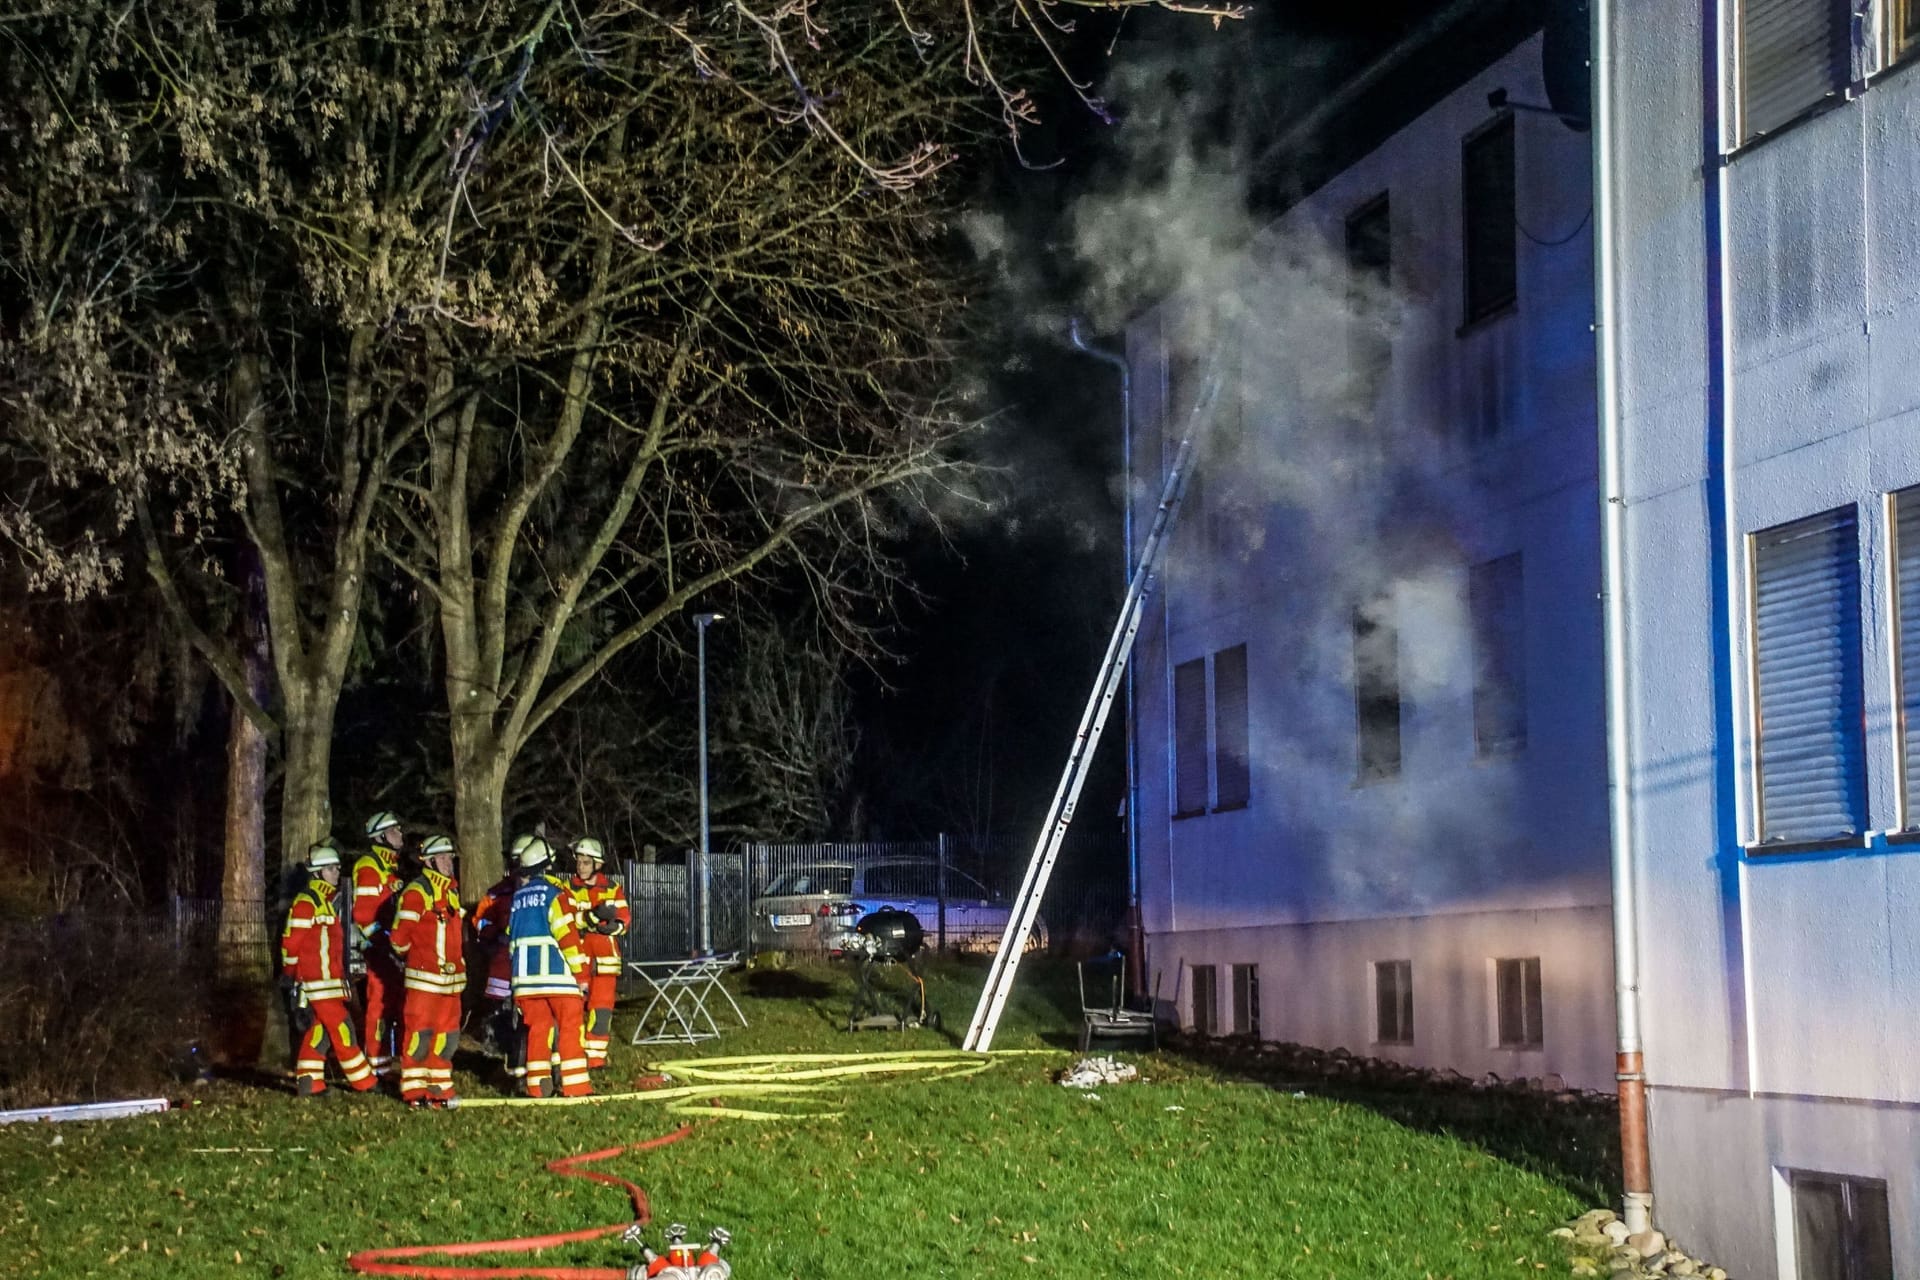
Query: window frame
{"points": [[1244, 732], [1213, 743], [1246, 1000], [1763, 844], [1474, 314], [1210, 1025], [1853, 1265], [1909, 760], [1744, 134], [1488, 635], [1368, 770], [1532, 1006], [1403, 1028], [1363, 277], [1179, 808]]}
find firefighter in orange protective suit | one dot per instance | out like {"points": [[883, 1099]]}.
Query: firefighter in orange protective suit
{"points": [[603, 921], [549, 975], [427, 938], [490, 935], [313, 955], [376, 882]]}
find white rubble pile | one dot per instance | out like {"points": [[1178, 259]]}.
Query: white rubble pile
{"points": [[1089, 1072]]}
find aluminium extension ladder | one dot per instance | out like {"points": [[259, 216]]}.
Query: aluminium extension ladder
{"points": [[993, 997]]}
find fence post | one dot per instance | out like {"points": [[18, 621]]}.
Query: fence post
{"points": [[693, 904], [749, 866], [940, 887]]}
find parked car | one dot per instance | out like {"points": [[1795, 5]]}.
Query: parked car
{"points": [[813, 907]]}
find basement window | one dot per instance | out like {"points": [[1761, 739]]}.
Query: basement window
{"points": [[1794, 54], [1206, 1000], [1809, 703], [1840, 1227], [1517, 1003], [1246, 1000], [1393, 1002]]}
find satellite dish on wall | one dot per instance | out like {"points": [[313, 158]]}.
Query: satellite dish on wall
{"points": [[1565, 62]]}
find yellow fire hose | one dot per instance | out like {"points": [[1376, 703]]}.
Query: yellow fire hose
{"points": [[776, 1075]]}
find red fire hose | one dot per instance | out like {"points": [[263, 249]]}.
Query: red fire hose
{"points": [[384, 1262]]}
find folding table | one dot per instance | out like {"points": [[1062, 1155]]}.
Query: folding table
{"points": [[681, 990]]}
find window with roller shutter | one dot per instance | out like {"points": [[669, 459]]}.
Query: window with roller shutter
{"points": [[1794, 54], [1190, 773], [1906, 569], [1809, 700]]}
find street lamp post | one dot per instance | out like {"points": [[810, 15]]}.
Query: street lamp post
{"points": [[702, 621]]}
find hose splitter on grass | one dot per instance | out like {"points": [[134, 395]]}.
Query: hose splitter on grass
{"points": [[782, 1077]]}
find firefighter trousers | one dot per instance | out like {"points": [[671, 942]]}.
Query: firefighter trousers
{"points": [[381, 1013], [431, 1022], [599, 1029], [554, 1042], [330, 1032]]}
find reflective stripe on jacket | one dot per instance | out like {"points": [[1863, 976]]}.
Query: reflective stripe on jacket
{"points": [[602, 948], [546, 946], [427, 925], [376, 879], [312, 945]]}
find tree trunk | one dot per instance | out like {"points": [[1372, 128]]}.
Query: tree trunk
{"points": [[243, 878], [478, 775], [306, 809], [241, 959]]}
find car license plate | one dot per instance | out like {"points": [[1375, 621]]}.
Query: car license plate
{"points": [[791, 922]]}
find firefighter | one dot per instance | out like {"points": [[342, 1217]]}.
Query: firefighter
{"points": [[490, 934], [313, 955], [426, 938], [604, 918], [549, 975], [376, 880]]}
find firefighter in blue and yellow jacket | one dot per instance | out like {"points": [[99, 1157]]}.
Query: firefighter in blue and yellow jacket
{"points": [[550, 975]]}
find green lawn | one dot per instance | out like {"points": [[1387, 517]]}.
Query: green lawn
{"points": [[1199, 1170]]}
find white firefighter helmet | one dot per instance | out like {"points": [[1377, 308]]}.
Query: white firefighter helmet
{"points": [[437, 845], [588, 847], [322, 855], [530, 852], [381, 821]]}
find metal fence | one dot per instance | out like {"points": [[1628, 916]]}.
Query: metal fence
{"points": [[665, 899], [1083, 911]]}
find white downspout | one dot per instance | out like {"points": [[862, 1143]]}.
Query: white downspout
{"points": [[1629, 1067]]}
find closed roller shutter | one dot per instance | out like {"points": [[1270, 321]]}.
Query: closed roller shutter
{"points": [[1807, 621], [1907, 539], [1793, 53]]}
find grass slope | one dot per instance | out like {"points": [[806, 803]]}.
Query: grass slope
{"points": [[1193, 1172]]}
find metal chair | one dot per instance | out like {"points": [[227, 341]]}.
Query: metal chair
{"points": [[681, 990], [1111, 1014]]}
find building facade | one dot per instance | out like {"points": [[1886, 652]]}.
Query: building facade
{"points": [[1368, 703], [1766, 176]]}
